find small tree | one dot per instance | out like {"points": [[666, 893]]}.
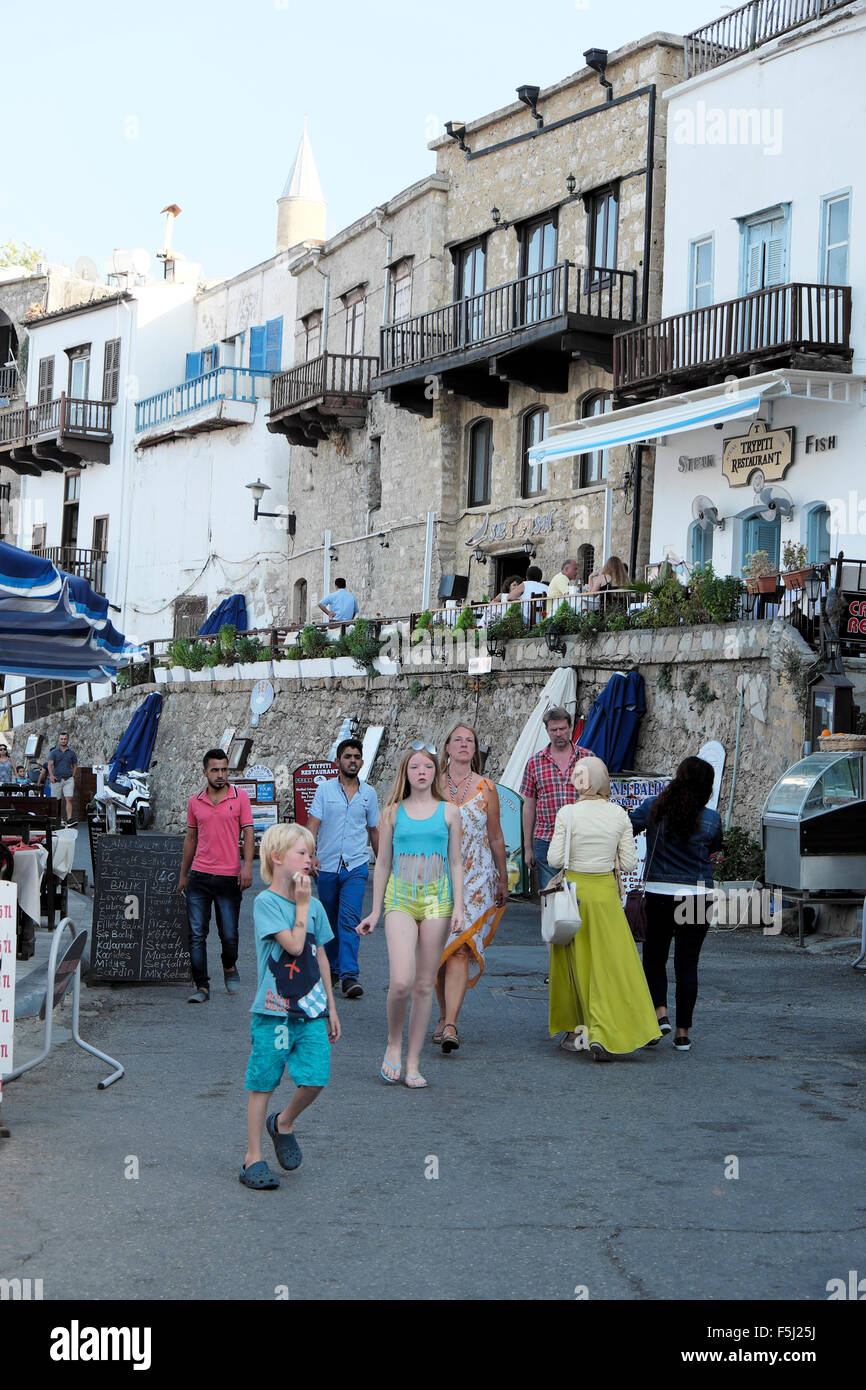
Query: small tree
{"points": [[20, 253]]}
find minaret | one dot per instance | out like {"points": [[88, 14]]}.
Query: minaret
{"points": [[302, 210]]}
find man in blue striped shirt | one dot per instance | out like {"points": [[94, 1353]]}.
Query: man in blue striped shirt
{"points": [[343, 819]]}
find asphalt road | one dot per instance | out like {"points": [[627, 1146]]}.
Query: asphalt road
{"points": [[554, 1174]]}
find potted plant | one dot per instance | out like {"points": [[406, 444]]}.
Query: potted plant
{"points": [[762, 577], [796, 565], [253, 659], [179, 656], [198, 667], [225, 665], [316, 647], [287, 666]]}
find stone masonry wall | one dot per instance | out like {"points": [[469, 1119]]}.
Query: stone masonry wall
{"points": [[427, 700]]}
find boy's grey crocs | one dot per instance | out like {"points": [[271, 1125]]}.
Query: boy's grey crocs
{"points": [[286, 1146], [259, 1177]]}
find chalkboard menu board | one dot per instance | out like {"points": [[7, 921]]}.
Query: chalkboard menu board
{"points": [[139, 919]]}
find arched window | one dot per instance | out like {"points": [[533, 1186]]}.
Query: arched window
{"points": [[299, 606], [759, 534], [593, 467], [480, 461], [700, 544], [818, 535], [533, 474], [585, 562]]}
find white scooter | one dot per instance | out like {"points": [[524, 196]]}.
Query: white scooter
{"points": [[126, 798]]}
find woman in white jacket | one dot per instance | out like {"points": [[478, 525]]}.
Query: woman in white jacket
{"points": [[598, 990]]}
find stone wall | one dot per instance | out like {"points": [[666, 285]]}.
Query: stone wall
{"points": [[427, 700]]}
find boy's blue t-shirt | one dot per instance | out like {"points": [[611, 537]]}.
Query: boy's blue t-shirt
{"points": [[289, 985]]}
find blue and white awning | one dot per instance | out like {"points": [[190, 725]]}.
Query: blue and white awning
{"points": [[641, 423]]}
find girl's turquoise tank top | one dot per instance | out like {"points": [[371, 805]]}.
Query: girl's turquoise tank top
{"points": [[421, 838]]}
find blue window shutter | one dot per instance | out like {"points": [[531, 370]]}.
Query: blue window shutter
{"points": [[257, 349], [273, 344], [193, 364], [763, 535], [215, 359]]}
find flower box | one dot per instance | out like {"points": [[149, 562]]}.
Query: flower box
{"points": [[286, 670], [768, 583], [796, 579], [179, 673], [253, 670], [225, 672], [161, 675], [205, 674], [317, 666], [346, 666]]}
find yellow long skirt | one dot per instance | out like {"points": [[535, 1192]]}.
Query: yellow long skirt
{"points": [[597, 981]]}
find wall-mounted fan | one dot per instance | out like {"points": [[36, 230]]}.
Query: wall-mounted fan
{"points": [[776, 503], [706, 514]]}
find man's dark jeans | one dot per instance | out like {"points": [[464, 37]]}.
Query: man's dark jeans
{"points": [[224, 894]]}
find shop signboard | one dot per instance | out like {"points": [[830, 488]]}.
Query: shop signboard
{"points": [[305, 780], [629, 792], [511, 820], [771, 451]]}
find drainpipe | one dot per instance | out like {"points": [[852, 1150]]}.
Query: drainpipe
{"points": [[648, 201]]}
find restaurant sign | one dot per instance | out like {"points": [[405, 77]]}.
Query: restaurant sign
{"points": [[852, 623], [769, 450]]}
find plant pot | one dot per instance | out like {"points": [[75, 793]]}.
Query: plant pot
{"points": [[768, 583], [346, 666], [796, 579], [386, 668], [317, 666], [286, 670], [250, 670], [263, 670], [225, 673], [178, 674], [205, 674], [161, 675]]}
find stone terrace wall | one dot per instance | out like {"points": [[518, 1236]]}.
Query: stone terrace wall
{"points": [[426, 701]]}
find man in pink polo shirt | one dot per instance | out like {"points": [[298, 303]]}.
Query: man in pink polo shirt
{"points": [[211, 874]]}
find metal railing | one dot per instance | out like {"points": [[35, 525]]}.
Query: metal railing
{"points": [[330, 374], [815, 317], [483, 318], [10, 381], [748, 27], [66, 415], [219, 384], [86, 564]]}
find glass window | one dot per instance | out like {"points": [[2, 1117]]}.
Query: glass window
{"points": [[701, 287], [79, 376], [834, 240], [700, 545], [818, 536], [355, 306], [585, 562], [762, 535], [312, 335], [534, 474], [470, 267], [765, 252], [603, 215], [593, 467], [401, 291], [480, 460]]}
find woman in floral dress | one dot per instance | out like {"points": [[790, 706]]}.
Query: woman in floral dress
{"points": [[485, 878]]}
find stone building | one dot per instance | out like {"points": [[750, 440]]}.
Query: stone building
{"points": [[450, 329]]}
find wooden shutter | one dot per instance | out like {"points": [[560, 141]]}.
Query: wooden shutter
{"points": [[46, 379], [273, 344], [257, 349], [111, 370], [193, 365]]}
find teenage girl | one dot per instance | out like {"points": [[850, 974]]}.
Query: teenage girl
{"points": [[419, 881]]}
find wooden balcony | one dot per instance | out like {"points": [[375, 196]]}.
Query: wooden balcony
{"points": [[86, 564], [10, 384], [748, 27], [54, 435], [527, 330], [805, 326], [330, 392]]}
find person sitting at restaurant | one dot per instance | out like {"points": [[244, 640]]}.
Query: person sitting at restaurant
{"points": [[612, 575], [560, 585], [533, 587], [22, 778], [512, 590]]}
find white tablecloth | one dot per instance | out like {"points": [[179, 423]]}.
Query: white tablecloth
{"points": [[28, 866]]}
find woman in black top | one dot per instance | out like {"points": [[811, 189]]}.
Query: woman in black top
{"points": [[682, 834]]}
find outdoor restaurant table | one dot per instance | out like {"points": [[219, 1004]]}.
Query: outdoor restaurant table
{"points": [[28, 867]]}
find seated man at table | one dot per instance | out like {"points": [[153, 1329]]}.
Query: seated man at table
{"points": [[559, 586], [7, 767]]}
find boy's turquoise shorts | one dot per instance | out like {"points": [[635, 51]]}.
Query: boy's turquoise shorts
{"points": [[297, 1043]]}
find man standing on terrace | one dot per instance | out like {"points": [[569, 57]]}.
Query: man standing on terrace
{"points": [[341, 606]]}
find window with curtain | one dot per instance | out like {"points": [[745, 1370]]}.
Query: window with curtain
{"points": [[593, 466], [480, 462], [401, 290], [533, 475], [602, 221]]}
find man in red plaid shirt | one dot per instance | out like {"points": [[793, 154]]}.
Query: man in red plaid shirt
{"points": [[546, 786]]}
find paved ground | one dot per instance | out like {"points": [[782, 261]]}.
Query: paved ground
{"points": [[553, 1172]]}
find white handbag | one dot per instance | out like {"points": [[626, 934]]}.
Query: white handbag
{"points": [[560, 906]]}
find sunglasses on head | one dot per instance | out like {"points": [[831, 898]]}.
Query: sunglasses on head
{"points": [[420, 747]]}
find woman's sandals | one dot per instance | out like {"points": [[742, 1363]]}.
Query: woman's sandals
{"points": [[450, 1044]]}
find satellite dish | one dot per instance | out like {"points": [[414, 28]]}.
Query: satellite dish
{"points": [[140, 260], [261, 699], [706, 514], [120, 262], [776, 502], [87, 269]]}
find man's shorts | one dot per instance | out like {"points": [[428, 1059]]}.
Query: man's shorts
{"points": [[299, 1044], [64, 788]]}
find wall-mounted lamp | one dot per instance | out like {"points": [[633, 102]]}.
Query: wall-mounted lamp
{"points": [[528, 549], [384, 543], [479, 557], [457, 131], [258, 489], [496, 215], [571, 185], [529, 96], [596, 58], [553, 637], [496, 647], [333, 556]]}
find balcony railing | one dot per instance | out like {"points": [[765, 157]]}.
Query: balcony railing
{"points": [[86, 564], [219, 384], [330, 374], [64, 416], [811, 317], [483, 318], [10, 381], [747, 27]]}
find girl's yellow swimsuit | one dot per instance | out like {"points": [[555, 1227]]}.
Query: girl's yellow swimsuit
{"points": [[420, 884]]}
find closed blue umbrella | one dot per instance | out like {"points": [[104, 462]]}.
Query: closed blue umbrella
{"points": [[232, 610], [613, 721], [135, 749]]}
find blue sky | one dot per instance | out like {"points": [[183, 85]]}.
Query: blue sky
{"points": [[119, 110]]}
